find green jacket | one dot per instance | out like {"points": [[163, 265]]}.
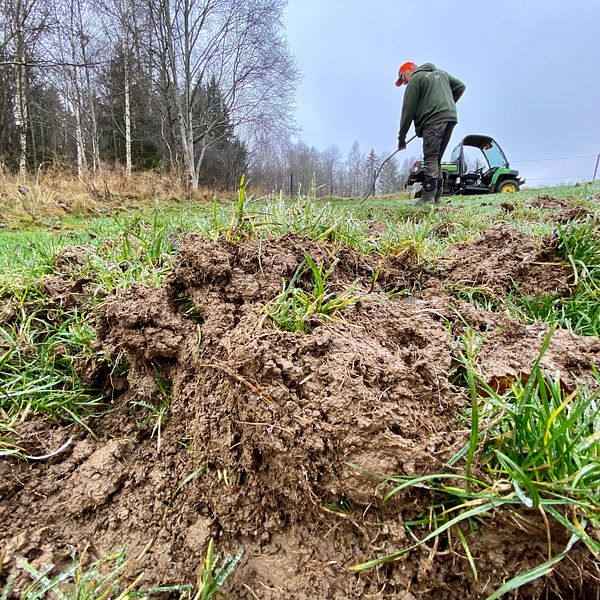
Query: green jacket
{"points": [[431, 95]]}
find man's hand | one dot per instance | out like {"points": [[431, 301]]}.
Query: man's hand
{"points": [[401, 144]]}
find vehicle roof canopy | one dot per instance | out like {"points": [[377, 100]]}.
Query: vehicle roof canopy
{"points": [[477, 140], [490, 148]]}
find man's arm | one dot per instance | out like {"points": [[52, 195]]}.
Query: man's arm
{"points": [[409, 107], [457, 86]]}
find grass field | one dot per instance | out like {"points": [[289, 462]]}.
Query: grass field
{"points": [[532, 443]]}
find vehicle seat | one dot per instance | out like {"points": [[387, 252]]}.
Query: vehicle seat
{"points": [[470, 178]]}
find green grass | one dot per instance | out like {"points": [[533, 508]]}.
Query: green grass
{"points": [[340, 221], [212, 576], [28, 255], [104, 578], [39, 351], [479, 296], [295, 308], [579, 246], [116, 577]]}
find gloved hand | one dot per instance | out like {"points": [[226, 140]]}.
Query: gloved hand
{"points": [[401, 143]]}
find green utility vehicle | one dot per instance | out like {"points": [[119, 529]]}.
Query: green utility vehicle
{"points": [[459, 179]]}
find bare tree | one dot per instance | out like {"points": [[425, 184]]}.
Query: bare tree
{"points": [[7, 95], [127, 28], [218, 82], [231, 48], [355, 164], [325, 171], [26, 20], [75, 50], [331, 158]]}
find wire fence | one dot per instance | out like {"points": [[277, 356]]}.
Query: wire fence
{"points": [[589, 177], [564, 177], [557, 158]]}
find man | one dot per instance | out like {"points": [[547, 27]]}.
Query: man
{"points": [[430, 101]]}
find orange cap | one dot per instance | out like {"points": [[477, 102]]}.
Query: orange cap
{"points": [[402, 70]]}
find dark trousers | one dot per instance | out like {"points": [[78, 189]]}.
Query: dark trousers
{"points": [[435, 141]]}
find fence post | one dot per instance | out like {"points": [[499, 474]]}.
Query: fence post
{"points": [[596, 168]]}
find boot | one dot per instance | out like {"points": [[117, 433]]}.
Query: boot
{"points": [[428, 192], [439, 191]]}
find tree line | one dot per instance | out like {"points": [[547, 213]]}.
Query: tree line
{"points": [[203, 89], [295, 168], [190, 86]]}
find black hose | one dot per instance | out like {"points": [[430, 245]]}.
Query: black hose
{"points": [[372, 188]]}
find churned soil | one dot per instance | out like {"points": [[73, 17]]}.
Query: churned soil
{"points": [[565, 211], [506, 260], [278, 441]]}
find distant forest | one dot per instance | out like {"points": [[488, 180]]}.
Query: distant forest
{"points": [[202, 89]]}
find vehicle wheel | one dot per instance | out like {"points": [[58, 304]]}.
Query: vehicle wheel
{"points": [[508, 186]]}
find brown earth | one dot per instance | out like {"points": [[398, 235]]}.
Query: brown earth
{"points": [[276, 417], [566, 212], [505, 259], [549, 202]]}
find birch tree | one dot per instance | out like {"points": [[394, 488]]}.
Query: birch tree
{"points": [[355, 164], [127, 28], [234, 45], [26, 20], [75, 50]]}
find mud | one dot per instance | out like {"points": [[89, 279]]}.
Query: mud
{"points": [[271, 424], [549, 203], [507, 348], [566, 212], [506, 260]]}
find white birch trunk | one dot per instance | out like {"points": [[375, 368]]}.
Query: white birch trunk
{"points": [[21, 101], [95, 142], [23, 117], [89, 94], [79, 137], [127, 119]]}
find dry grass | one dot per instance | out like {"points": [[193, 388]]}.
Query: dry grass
{"points": [[55, 192]]}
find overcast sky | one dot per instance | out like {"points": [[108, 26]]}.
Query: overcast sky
{"points": [[531, 67]]}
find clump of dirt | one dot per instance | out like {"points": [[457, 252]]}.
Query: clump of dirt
{"points": [[504, 260], [511, 350], [549, 202], [67, 293], [567, 212], [71, 259], [263, 431], [376, 227], [508, 348], [322, 398], [7, 310], [65, 286], [445, 229], [578, 213]]}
